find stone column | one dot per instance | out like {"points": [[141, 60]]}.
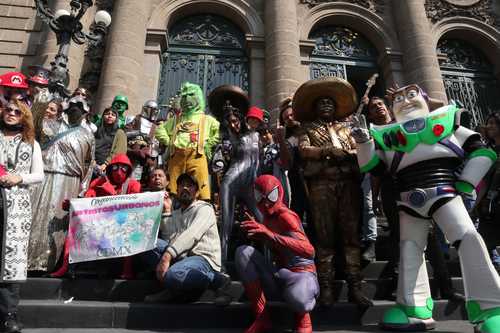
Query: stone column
{"points": [[282, 51], [122, 70], [48, 45], [419, 53]]}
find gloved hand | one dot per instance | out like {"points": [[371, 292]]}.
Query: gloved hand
{"points": [[359, 129], [255, 229]]}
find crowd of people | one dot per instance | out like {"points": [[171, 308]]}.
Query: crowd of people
{"points": [[290, 206]]}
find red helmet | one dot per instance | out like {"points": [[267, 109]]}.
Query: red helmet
{"points": [[255, 112], [14, 80]]}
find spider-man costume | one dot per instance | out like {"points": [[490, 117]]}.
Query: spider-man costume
{"points": [[293, 279]]}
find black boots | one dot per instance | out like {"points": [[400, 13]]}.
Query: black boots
{"points": [[369, 252], [10, 324], [355, 294]]}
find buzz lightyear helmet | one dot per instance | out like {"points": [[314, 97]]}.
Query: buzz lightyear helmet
{"points": [[150, 110]]}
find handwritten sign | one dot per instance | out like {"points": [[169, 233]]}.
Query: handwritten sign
{"points": [[114, 226]]}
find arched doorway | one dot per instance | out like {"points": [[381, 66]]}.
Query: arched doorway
{"points": [[343, 52], [204, 49], [468, 78]]}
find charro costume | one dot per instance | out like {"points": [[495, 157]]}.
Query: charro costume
{"points": [[332, 177], [434, 161], [237, 158], [190, 138]]}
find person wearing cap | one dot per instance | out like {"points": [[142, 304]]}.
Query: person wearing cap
{"points": [[119, 104], [333, 179], [87, 96], [188, 257], [38, 82], [68, 159], [190, 138], [14, 84], [254, 118], [109, 140]]}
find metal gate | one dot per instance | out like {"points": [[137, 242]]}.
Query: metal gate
{"points": [[468, 79], [203, 49], [342, 52]]}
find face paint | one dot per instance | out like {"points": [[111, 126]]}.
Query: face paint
{"points": [[408, 103], [75, 115], [192, 98], [325, 108], [119, 106]]}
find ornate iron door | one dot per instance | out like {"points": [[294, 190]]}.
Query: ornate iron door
{"points": [[207, 50], [344, 53], [468, 79]]}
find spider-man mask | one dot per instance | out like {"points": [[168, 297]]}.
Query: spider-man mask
{"points": [[268, 194]]}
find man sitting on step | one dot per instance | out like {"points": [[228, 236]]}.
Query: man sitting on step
{"points": [[188, 261]]}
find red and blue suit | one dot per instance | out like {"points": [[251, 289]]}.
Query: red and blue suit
{"points": [[293, 276]]}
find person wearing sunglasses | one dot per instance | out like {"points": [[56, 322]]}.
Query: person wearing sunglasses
{"points": [[116, 181], [293, 278], [21, 166]]}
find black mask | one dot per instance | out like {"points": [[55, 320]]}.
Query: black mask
{"points": [[75, 115]]}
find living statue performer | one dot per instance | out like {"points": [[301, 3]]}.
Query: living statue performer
{"points": [[68, 158], [237, 157], [190, 138], [333, 179], [294, 276], [434, 161]]}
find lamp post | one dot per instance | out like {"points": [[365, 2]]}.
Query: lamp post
{"points": [[67, 27]]}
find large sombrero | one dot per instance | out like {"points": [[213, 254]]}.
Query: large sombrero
{"points": [[219, 96], [338, 89]]}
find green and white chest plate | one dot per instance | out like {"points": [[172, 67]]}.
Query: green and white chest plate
{"points": [[406, 136]]}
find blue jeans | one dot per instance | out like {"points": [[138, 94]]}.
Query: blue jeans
{"points": [[369, 226], [189, 276]]}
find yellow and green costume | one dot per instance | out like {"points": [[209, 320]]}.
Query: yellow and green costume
{"points": [[190, 138]]}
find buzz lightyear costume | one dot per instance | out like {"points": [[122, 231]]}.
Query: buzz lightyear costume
{"points": [[423, 151]]}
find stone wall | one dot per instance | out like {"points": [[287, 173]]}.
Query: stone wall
{"points": [[18, 30]]}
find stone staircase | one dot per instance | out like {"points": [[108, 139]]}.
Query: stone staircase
{"points": [[109, 303], [97, 303]]}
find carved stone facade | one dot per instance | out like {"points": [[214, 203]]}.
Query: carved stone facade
{"points": [[478, 9], [273, 45], [376, 6]]}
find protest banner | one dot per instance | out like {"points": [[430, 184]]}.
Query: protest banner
{"points": [[114, 226]]}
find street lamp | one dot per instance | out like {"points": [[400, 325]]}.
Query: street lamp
{"points": [[67, 27]]}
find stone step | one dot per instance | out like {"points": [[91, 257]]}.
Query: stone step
{"points": [[92, 314], [136, 290]]}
